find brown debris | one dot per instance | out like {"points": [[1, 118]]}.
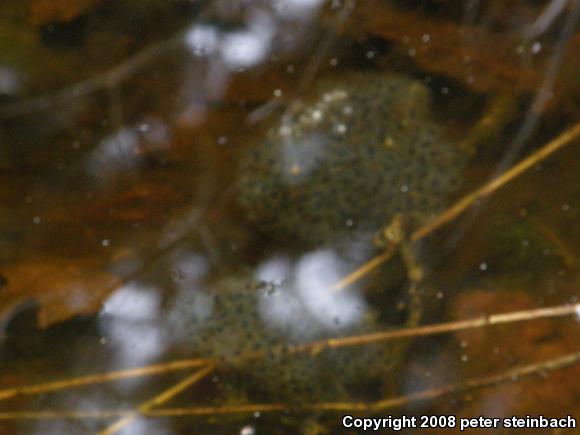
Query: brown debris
{"points": [[481, 59], [62, 288], [42, 12], [508, 346], [139, 203]]}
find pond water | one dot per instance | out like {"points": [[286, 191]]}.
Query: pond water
{"points": [[236, 199]]}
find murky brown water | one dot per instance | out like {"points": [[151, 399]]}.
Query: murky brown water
{"points": [[195, 180]]}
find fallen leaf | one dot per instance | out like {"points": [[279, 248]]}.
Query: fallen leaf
{"points": [[42, 12], [62, 288]]}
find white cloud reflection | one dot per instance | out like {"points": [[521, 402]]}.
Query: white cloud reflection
{"points": [[259, 32], [202, 39], [189, 271], [304, 302], [132, 302], [9, 81], [263, 25], [250, 46], [241, 48], [244, 49], [129, 322], [294, 9], [126, 148]]}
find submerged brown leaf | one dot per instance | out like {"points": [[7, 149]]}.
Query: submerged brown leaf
{"points": [[42, 12], [62, 288], [483, 59]]}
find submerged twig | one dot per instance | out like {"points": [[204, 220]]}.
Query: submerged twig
{"points": [[363, 270], [467, 201], [64, 414], [160, 399], [81, 381], [460, 206], [111, 78], [562, 248], [511, 375], [422, 331], [508, 376]]}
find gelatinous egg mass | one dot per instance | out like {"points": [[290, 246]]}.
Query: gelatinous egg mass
{"points": [[254, 353], [343, 161]]}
